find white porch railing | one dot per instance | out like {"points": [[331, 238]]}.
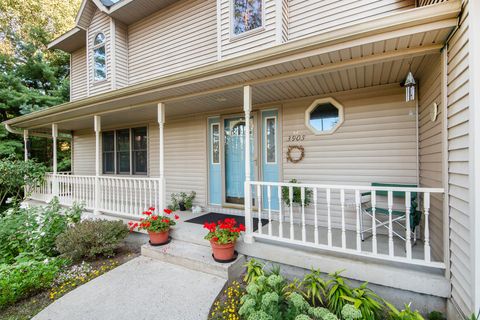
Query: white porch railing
{"points": [[333, 220], [127, 196]]}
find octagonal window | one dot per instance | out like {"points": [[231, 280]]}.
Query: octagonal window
{"points": [[324, 116]]}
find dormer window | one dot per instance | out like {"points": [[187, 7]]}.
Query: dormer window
{"points": [[247, 16], [99, 58]]}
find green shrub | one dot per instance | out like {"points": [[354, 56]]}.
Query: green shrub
{"points": [[91, 238], [405, 314], [32, 231], [436, 315], [15, 174], [296, 195], [22, 279]]}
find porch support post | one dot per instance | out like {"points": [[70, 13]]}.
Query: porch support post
{"points": [[25, 143], [97, 124], [247, 108], [161, 160], [54, 165]]}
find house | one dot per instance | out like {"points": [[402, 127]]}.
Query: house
{"points": [[365, 101]]}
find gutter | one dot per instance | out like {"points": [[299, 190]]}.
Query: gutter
{"points": [[61, 136], [396, 21]]}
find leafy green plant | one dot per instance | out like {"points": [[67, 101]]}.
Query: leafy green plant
{"points": [[336, 290], [314, 286], [436, 315], [474, 317], [16, 174], [296, 195], [91, 238], [32, 231], [367, 301], [19, 280], [405, 314], [350, 312], [254, 270], [177, 198]]}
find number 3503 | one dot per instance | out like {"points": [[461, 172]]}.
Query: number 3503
{"points": [[298, 137]]}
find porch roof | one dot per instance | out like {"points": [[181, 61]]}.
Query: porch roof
{"points": [[381, 50]]}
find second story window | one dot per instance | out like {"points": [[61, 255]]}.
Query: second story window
{"points": [[247, 15], [99, 58]]}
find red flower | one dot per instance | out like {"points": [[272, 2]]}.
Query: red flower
{"points": [[165, 220], [167, 211], [151, 209], [241, 227], [155, 218], [177, 217]]}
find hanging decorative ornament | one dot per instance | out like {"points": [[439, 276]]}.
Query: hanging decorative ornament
{"points": [[410, 87]]}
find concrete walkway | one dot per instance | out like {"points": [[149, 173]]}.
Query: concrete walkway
{"points": [[141, 289]]}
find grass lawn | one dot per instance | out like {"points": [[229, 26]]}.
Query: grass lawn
{"points": [[29, 307]]}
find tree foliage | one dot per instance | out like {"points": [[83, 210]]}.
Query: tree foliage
{"points": [[32, 77]]}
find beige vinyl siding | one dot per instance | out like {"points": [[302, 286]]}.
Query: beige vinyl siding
{"points": [[86, 15], [430, 148], [78, 74], [185, 156], [458, 163], [422, 3], [100, 23], [376, 143], [308, 17], [84, 153], [256, 40], [180, 37], [121, 55]]}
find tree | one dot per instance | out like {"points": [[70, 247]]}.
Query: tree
{"points": [[32, 77]]}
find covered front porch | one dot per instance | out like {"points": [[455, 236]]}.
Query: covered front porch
{"points": [[383, 166]]}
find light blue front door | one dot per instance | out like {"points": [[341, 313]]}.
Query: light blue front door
{"points": [[234, 146]]}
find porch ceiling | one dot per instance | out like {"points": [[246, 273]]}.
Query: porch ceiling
{"points": [[306, 67]]}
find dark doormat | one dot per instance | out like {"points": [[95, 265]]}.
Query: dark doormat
{"points": [[214, 217]]}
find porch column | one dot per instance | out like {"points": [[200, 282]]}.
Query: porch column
{"points": [[25, 143], [161, 159], [97, 124], [247, 108], [54, 164]]}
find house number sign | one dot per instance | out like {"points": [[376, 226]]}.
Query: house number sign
{"points": [[296, 137]]}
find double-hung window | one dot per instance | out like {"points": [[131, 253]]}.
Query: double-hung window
{"points": [[125, 151]]}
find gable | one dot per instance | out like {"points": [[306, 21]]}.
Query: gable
{"points": [[87, 10]]}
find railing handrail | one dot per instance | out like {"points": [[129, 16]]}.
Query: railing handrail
{"points": [[349, 187]]}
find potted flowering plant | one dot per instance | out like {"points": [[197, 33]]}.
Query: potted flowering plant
{"points": [[222, 236], [158, 227]]}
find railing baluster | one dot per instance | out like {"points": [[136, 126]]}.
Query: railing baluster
{"points": [[329, 219], [390, 224], [155, 196], [342, 205], [374, 221], [290, 201], [408, 242], [145, 204], [357, 206], [426, 240], [150, 203], [259, 205], [304, 230], [269, 198], [280, 212], [315, 215], [131, 190], [137, 210]]}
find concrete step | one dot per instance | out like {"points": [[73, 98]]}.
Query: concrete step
{"points": [[195, 257]]}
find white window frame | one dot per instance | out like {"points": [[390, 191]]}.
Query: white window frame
{"points": [[276, 137], [211, 143], [115, 162], [95, 47], [314, 105], [248, 33]]}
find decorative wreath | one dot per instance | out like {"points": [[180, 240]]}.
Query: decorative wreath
{"points": [[289, 154]]}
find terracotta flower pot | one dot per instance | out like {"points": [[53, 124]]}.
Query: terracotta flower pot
{"points": [[223, 251], [158, 237]]}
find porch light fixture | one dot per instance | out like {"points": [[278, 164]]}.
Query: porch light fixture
{"points": [[410, 87]]}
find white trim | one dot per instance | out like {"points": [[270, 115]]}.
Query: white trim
{"points": [[474, 138], [445, 167], [219, 30], [95, 47], [275, 139], [335, 103], [211, 143], [233, 36], [87, 56], [112, 52]]}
